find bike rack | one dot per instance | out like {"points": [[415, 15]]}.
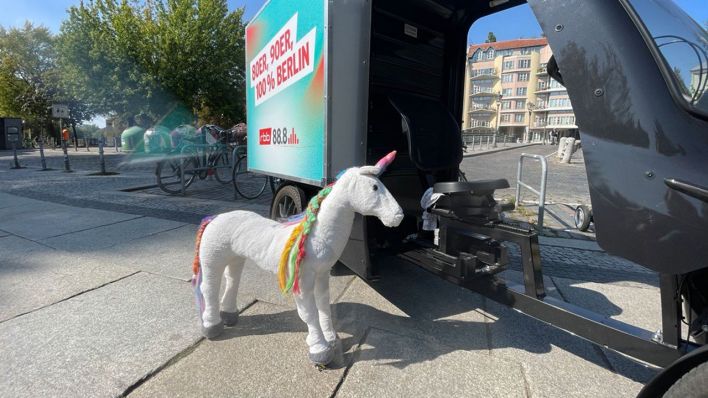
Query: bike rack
{"points": [[541, 193]]}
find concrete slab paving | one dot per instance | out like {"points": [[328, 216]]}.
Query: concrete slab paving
{"points": [[168, 253], [410, 301], [7, 201], [109, 235], [54, 219], [640, 306], [263, 285], [392, 365], [33, 276], [264, 355], [556, 363], [98, 343]]}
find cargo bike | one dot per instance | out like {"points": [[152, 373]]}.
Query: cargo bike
{"points": [[333, 84]]}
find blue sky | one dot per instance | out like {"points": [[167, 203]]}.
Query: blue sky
{"points": [[517, 22]]}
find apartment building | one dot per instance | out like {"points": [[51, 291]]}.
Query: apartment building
{"points": [[508, 89]]}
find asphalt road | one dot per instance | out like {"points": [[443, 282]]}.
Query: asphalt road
{"points": [[566, 183]]}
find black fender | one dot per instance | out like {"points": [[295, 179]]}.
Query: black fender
{"points": [[667, 377]]}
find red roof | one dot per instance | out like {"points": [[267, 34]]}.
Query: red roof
{"points": [[507, 44]]}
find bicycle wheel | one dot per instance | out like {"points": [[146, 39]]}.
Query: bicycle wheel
{"points": [[222, 168], [168, 175], [247, 184]]}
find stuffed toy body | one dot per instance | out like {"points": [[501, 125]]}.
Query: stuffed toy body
{"points": [[301, 253]]}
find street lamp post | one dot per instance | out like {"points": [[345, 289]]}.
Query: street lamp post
{"points": [[494, 138]]}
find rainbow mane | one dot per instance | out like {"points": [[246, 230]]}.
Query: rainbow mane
{"points": [[294, 250]]}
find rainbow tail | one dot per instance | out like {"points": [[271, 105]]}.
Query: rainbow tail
{"points": [[196, 266]]}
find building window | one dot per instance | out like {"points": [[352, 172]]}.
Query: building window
{"points": [[520, 104], [559, 103], [506, 117], [524, 63], [561, 120], [519, 117], [554, 84], [482, 72], [508, 65], [507, 78], [490, 53], [525, 51], [506, 104], [507, 92], [521, 91], [541, 85], [523, 76]]}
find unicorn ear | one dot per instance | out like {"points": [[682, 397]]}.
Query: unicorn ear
{"points": [[370, 170], [385, 161]]}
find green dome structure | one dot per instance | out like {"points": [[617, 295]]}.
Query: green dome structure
{"points": [[131, 139]]}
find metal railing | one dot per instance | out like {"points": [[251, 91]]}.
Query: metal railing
{"points": [[484, 72], [541, 192], [480, 142]]}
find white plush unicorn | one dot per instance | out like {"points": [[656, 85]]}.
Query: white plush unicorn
{"points": [[301, 253]]}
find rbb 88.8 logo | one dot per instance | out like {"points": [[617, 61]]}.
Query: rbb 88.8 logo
{"points": [[280, 136]]}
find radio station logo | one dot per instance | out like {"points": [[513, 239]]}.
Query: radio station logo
{"points": [[277, 136]]}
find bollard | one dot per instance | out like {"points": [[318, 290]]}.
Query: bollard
{"points": [[568, 152], [54, 144], [67, 166], [561, 146], [14, 156], [101, 159], [41, 155], [487, 142]]}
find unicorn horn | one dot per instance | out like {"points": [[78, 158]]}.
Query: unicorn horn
{"points": [[385, 161]]}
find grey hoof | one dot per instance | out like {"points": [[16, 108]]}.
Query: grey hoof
{"points": [[323, 358], [213, 331], [229, 318]]}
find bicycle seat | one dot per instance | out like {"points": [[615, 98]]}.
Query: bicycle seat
{"points": [[477, 188]]}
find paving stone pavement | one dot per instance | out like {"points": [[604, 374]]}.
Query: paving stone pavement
{"points": [[89, 311]]}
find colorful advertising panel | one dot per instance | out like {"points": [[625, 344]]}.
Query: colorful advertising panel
{"points": [[285, 89]]}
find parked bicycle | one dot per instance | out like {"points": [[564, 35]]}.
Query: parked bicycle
{"points": [[248, 184], [193, 157]]}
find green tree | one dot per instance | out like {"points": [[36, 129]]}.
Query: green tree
{"points": [[128, 58], [29, 79], [27, 67], [491, 38], [89, 130]]}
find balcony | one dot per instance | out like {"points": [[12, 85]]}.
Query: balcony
{"points": [[482, 92], [539, 123], [542, 69], [482, 74], [480, 123], [482, 108]]}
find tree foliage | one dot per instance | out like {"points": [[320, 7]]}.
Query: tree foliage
{"points": [[132, 58], [29, 79], [491, 38], [27, 72]]}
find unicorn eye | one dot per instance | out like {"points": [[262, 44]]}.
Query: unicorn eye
{"points": [[375, 187]]}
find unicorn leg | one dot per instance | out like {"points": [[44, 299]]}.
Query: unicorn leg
{"points": [[229, 310], [320, 352], [324, 308], [212, 271]]}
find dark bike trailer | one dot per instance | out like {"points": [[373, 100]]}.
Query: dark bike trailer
{"points": [[393, 77]]}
